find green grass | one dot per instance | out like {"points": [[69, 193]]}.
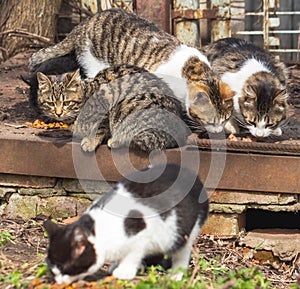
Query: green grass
{"points": [[14, 278], [5, 236], [206, 274]]}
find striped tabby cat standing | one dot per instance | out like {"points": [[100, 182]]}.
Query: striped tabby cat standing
{"points": [[259, 80], [114, 37]]}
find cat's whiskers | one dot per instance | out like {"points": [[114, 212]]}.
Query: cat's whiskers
{"points": [[239, 121]]}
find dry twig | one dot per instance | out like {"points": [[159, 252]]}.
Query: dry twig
{"points": [[25, 34]]}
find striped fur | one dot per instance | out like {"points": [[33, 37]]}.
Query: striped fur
{"points": [[259, 82], [124, 103], [114, 37]]}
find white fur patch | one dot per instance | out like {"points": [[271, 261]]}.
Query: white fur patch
{"points": [[175, 63], [90, 63], [171, 71], [113, 244], [214, 128], [178, 86], [261, 131], [236, 80]]}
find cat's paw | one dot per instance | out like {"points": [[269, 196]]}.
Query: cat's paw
{"points": [[88, 145], [124, 272], [113, 144], [177, 276]]}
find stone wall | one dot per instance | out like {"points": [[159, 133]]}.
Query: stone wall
{"points": [[29, 196]]}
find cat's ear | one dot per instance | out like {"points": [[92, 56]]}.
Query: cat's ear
{"points": [[194, 69], [250, 97], [43, 81], [79, 241], [250, 91], [73, 79], [198, 93], [226, 92], [50, 227], [281, 96]]}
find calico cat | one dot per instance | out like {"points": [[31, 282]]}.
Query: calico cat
{"points": [[115, 36], [135, 220], [259, 80], [124, 103]]}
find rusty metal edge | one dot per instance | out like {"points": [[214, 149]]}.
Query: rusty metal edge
{"points": [[250, 147], [242, 172]]}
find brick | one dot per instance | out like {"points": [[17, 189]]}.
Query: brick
{"points": [[43, 193], [284, 243], [277, 208], [2, 208], [224, 225], [26, 181], [82, 205], [5, 191], [227, 208], [237, 197], [57, 207], [88, 196], [86, 186], [21, 206]]}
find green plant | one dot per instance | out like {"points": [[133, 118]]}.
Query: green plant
{"points": [[42, 269], [15, 278], [5, 236]]}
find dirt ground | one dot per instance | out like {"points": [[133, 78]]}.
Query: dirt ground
{"points": [[25, 249]]}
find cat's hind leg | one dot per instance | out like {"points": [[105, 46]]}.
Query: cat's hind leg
{"points": [[181, 257], [180, 260]]}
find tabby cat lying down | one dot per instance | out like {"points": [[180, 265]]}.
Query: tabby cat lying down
{"points": [[136, 219], [125, 104]]}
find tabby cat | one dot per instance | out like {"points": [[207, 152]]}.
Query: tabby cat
{"points": [[136, 219], [116, 37], [124, 103], [259, 80]]}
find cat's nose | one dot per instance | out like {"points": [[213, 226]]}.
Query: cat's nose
{"points": [[58, 111]]}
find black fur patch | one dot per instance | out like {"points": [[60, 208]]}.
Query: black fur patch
{"points": [[134, 223]]}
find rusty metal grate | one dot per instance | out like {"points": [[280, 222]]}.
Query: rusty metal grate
{"points": [[273, 24]]}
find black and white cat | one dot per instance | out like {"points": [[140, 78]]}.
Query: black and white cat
{"points": [[158, 210]]}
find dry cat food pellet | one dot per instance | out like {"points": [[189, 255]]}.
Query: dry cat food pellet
{"points": [[42, 125]]}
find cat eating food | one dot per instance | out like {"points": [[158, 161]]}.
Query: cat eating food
{"points": [[142, 216], [124, 104], [115, 36], [259, 80]]}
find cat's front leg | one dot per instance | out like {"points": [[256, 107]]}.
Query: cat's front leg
{"points": [[128, 266], [89, 144], [231, 127]]}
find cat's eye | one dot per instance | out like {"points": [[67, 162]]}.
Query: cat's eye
{"points": [[279, 107], [270, 125], [67, 103], [49, 103], [251, 122]]}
